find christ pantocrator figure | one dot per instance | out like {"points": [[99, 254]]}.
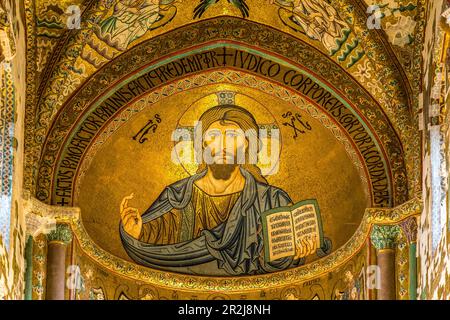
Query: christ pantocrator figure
{"points": [[214, 214]]}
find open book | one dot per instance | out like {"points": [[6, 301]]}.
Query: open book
{"points": [[294, 231]]}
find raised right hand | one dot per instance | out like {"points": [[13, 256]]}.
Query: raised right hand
{"points": [[131, 218]]}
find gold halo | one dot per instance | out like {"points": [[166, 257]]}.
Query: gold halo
{"points": [[225, 95]]}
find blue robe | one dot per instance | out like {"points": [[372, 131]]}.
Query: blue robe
{"points": [[236, 244]]}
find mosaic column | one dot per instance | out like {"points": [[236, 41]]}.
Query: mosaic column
{"points": [[29, 268], [56, 261], [409, 228], [384, 239], [371, 260], [51, 221]]}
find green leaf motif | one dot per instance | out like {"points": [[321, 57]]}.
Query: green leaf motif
{"points": [[384, 237]]}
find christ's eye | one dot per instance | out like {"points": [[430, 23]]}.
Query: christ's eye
{"points": [[231, 134], [212, 134]]}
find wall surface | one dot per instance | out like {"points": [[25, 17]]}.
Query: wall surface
{"points": [[12, 263], [433, 238], [94, 281]]}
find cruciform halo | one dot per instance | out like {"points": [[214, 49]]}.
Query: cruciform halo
{"points": [[184, 154]]}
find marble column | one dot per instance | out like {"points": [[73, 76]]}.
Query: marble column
{"points": [[384, 239], [371, 260], [29, 268], [409, 228], [58, 240]]}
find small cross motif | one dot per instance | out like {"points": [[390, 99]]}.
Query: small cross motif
{"points": [[62, 202]]}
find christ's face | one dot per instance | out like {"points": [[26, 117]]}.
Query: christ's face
{"points": [[224, 146], [224, 142]]}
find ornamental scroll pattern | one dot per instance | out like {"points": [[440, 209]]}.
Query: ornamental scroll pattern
{"points": [[265, 284], [226, 76], [347, 283], [236, 284], [393, 216], [153, 49]]}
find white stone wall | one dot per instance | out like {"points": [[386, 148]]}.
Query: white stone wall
{"points": [[434, 260]]}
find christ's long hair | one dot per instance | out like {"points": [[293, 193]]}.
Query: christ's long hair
{"points": [[246, 121]]}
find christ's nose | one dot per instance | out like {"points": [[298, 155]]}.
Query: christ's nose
{"points": [[223, 146]]}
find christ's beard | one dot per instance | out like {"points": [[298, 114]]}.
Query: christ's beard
{"points": [[222, 171]]}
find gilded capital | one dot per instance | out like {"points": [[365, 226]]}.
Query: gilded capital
{"points": [[385, 236], [62, 233], [409, 227]]}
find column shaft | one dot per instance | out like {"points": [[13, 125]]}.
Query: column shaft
{"points": [[29, 269], [412, 271], [384, 239], [386, 262], [56, 270]]}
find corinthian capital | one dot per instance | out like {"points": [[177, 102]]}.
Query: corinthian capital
{"points": [[62, 233], [385, 236], [43, 218], [409, 227]]}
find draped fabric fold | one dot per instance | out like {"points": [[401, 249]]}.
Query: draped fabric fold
{"points": [[236, 244]]}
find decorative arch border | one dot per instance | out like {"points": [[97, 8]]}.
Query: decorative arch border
{"points": [[221, 77], [193, 283], [69, 119], [238, 32]]}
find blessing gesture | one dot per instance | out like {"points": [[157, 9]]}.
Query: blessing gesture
{"points": [[131, 218]]}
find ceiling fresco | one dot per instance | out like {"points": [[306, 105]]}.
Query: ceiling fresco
{"points": [[400, 21], [331, 83]]}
